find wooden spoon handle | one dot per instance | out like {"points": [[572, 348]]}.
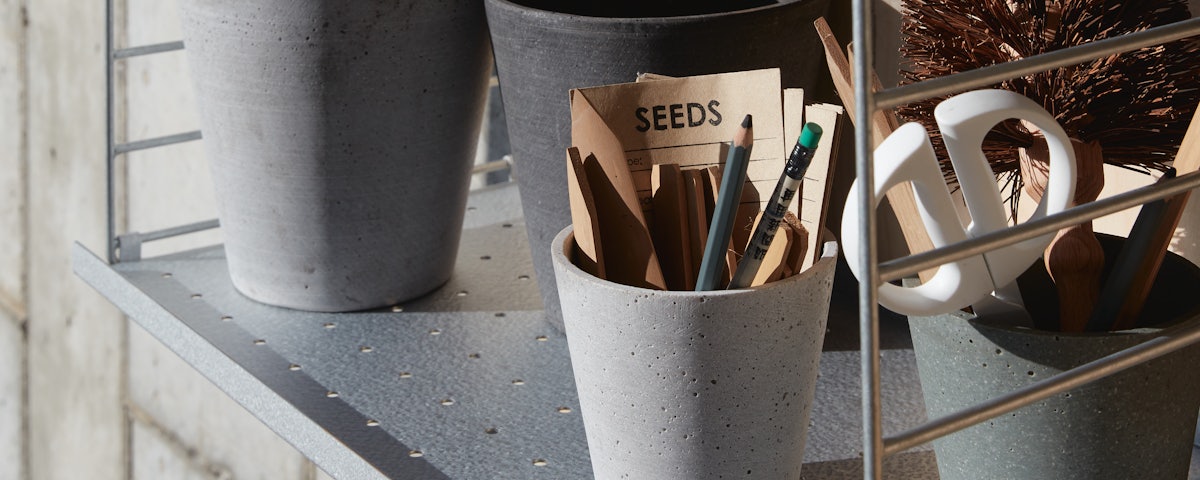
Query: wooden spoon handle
{"points": [[1074, 258]]}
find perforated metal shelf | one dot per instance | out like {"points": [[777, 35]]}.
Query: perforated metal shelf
{"points": [[468, 382]]}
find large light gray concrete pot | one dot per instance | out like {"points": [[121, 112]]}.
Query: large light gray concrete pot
{"points": [[544, 48], [340, 136], [688, 384], [1135, 424]]}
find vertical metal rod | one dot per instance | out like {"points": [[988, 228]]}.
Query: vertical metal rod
{"points": [[864, 101], [110, 168]]}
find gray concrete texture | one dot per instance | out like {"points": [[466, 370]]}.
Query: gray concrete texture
{"points": [[542, 54], [713, 384], [340, 137], [67, 394], [1137, 423], [75, 350], [1134, 424]]}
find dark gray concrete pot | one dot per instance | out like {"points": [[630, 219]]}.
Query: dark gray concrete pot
{"points": [[340, 136], [695, 384], [1135, 424], [541, 53]]}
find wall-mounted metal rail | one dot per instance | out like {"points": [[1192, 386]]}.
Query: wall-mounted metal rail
{"points": [[147, 49], [111, 56], [156, 142], [127, 246]]}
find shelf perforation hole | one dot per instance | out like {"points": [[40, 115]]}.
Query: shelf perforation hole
{"points": [[518, 382], [332, 394], [564, 410], [416, 453], [294, 367], [226, 318], [167, 275], [405, 374], [541, 338], [397, 308], [372, 423], [485, 257], [501, 314], [539, 462], [447, 402], [491, 430], [434, 331], [329, 325], [507, 225], [197, 296], [366, 349], [522, 277], [473, 356], [461, 293], [260, 342]]}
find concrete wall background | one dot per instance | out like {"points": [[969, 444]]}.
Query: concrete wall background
{"points": [[83, 394]]}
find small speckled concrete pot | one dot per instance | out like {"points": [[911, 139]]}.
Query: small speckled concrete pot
{"points": [[1135, 424], [695, 384], [545, 48], [340, 137]]}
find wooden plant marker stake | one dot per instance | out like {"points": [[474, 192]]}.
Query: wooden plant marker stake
{"points": [[672, 241], [1074, 258], [584, 217], [902, 200], [697, 220]]}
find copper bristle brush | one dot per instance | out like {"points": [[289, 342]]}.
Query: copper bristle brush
{"points": [[1129, 110]]}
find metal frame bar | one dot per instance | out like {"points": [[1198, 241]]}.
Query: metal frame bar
{"points": [[864, 101], [991, 75], [1061, 383], [130, 244], [180, 230], [156, 142], [110, 155], [113, 149], [875, 447], [136, 239], [903, 267], [147, 49]]}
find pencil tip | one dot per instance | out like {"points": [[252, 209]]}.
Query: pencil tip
{"points": [[748, 122]]}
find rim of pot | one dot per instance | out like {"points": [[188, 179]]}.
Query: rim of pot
{"points": [[1031, 331], [567, 234], [532, 11]]}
